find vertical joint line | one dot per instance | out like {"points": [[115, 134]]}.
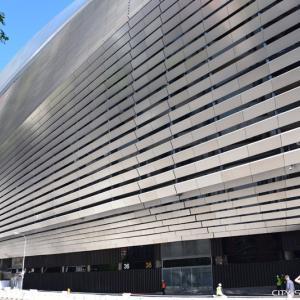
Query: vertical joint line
{"points": [[128, 9]]}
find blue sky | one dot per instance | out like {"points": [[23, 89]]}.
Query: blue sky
{"points": [[24, 18]]}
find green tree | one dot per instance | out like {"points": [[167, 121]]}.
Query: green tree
{"points": [[3, 36]]}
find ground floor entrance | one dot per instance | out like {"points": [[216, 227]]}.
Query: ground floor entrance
{"points": [[189, 280]]}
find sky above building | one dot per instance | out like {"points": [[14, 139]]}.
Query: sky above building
{"points": [[24, 18]]}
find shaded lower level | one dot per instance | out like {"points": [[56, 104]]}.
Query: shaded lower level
{"points": [[188, 267]]}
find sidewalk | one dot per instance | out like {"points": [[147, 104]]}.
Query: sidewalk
{"points": [[37, 295]]}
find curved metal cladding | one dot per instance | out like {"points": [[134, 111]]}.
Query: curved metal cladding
{"points": [[40, 39], [183, 124]]}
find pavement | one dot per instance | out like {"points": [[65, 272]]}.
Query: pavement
{"points": [[39, 295]]}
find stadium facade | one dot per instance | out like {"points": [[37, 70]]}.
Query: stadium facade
{"points": [[155, 139]]}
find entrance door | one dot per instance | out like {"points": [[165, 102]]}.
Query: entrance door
{"points": [[188, 280]]}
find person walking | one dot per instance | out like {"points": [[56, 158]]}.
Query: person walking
{"points": [[290, 287], [219, 291], [163, 287], [278, 282]]}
